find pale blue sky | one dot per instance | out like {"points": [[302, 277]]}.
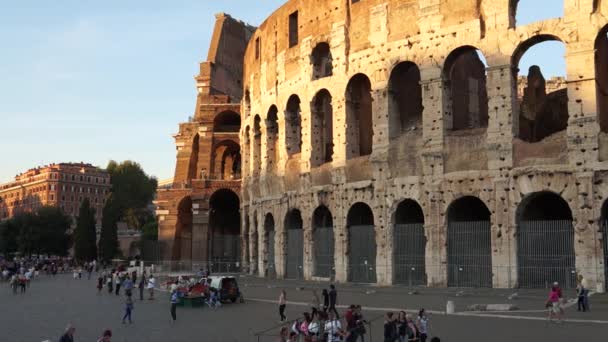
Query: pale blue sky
{"points": [[90, 80]]}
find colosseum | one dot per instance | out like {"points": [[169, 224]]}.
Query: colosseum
{"points": [[397, 142]]}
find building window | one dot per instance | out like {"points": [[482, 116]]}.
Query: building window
{"points": [[52, 197], [257, 49], [293, 29]]}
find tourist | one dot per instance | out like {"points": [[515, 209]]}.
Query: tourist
{"points": [[402, 326], [304, 327], [553, 303], [360, 322], [151, 285], [117, 282], [106, 336], [75, 273], [128, 284], [99, 284], [333, 329], [390, 328], [315, 303], [174, 299], [351, 324], [141, 286], [333, 300], [128, 309], [68, 335], [412, 330], [110, 282], [325, 295], [282, 305], [314, 327], [284, 334], [423, 325], [14, 282], [22, 283], [89, 270], [79, 272], [435, 339]]}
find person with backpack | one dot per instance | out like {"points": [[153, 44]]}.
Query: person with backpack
{"points": [[333, 329]]}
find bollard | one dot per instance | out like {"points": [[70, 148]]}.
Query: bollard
{"points": [[450, 307]]}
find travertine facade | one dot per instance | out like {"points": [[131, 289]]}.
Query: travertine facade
{"points": [[358, 105]]}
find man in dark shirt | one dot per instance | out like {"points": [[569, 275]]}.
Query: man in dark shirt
{"points": [[333, 299]]}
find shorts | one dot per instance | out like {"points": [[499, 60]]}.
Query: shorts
{"points": [[556, 307]]}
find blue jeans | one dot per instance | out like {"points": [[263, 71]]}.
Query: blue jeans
{"points": [[127, 314]]}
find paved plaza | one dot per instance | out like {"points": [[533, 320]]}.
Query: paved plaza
{"points": [[51, 303]]}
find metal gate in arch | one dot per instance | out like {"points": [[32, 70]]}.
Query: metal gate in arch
{"points": [[362, 254], [469, 254], [272, 272], [409, 245], [295, 254], [545, 254], [323, 242]]}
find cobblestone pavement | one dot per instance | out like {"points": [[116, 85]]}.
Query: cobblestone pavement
{"points": [[51, 303]]}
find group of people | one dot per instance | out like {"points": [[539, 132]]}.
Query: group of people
{"points": [[117, 279], [555, 302], [68, 336], [404, 328]]}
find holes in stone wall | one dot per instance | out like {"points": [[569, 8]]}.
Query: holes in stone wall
{"points": [[272, 133], [465, 85], [542, 101], [321, 61], [359, 123], [293, 126], [601, 77], [247, 104], [405, 99], [322, 148]]}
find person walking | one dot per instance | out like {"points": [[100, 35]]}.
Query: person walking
{"points": [[141, 286], [282, 305], [68, 335], [553, 303], [110, 282], [151, 284], [333, 300], [315, 304], [390, 328], [325, 295], [174, 299], [99, 284], [106, 336], [423, 325], [128, 310], [128, 285]]}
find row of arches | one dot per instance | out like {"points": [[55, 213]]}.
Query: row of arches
{"points": [[545, 243]]}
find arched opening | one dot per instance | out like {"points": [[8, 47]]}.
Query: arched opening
{"points": [[247, 104], [295, 245], [359, 123], [405, 99], [322, 129], [227, 122], [245, 242], [361, 244], [542, 101], [469, 244], [227, 160], [464, 74], [524, 12], [257, 146], [269, 233], [246, 141], [323, 239], [293, 126], [272, 133], [193, 164], [182, 245], [321, 61], [224, 222], [601, 78], [409, 244], [545, 242]]}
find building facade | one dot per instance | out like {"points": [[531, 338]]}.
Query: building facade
{"points": [[379, 147], [63, 185], [199, 218]]}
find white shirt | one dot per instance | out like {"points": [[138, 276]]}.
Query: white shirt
{"points": [[333, 328], [151, 283]]}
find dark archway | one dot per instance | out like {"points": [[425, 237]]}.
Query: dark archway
{"points": [[469, 244], [182, 245], [405, 99], [322, 129], [257, 146], [545, 242], [295, 245], [464, 74], [227, 122], [359, 122], [226, 160], [269, 233], [409, 244], [224, 224], [272, 132], [601, 77], [321, 61], [361, 244], [323, 240], [293, 126]]}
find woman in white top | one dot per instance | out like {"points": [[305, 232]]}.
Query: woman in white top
{"points": [[151, 285], [333, 329]]}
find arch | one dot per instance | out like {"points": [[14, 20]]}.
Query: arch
{"points": [[601, 77], [226, 160], [361, 244], [224, 228], [543, 103], [359, 123], [409, 244], [246, 141], [529, 13], [321, 61], [322, 149], [269, 234], [545, 241], [293, 126], [323, 242], [257, 145], [295, 245], [272, 136], [247, 103], [469, 245], [464, 74], [405, 99], [227, 122], [182, 244]]}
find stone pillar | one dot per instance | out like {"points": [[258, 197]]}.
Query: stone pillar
{"points": [[262, 245], [435, 229], [383, 254], [504, 241], [503, 121], [340, 245], [253, 241], [432, 121], [280, 241], [308, 244], [244, 240]]}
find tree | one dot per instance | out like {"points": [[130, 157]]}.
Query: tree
{"points": [[8, 238], [54, 226], [108, 240], [85, 236]]}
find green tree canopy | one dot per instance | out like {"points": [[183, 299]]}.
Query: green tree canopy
{"points": [[85, 236], [108, 240]]}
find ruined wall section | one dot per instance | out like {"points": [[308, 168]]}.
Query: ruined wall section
{"points": [[371, 37]]}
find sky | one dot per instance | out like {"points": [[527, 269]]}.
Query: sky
{"points": [[93, 81]]}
